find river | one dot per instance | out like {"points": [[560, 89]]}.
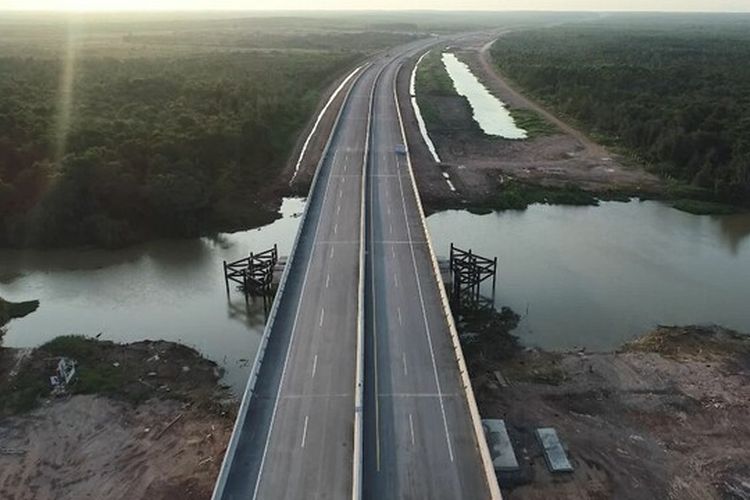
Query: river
{"points": [[579, 276], [598, 276], [168, 289]]}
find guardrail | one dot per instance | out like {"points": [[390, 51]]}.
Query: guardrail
{"points": [[489, 470], [257, 363]]}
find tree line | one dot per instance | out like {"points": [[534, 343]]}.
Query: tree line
{"points": [[673, 92], [159, 146]]}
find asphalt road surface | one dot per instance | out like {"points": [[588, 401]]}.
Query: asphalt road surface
{"points": [[297, 439], [418, 431]]}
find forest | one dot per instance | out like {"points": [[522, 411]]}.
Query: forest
{"points": [[156, 142], [671, 92]]}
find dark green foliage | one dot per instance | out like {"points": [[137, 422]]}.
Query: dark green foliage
{"points": [[158, 146], [671, 91], [518, 196], [10, 310], [698, 207]]}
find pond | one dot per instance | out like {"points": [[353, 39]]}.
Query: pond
{"points": [[489, 112], [171, 289], [598, 276]]}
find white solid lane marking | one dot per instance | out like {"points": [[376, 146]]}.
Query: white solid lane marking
{"points": [[411, 428], [322, 315], [315, 366], [328, 279], [288, 355], [374, 334], [304, 433], [428, 334], [403, 360]]}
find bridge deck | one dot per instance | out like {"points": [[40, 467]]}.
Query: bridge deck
{"points": [[295, 437], [296, 440], [418, 428]]}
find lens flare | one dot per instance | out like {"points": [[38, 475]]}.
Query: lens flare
{"points": [[65, 92]]}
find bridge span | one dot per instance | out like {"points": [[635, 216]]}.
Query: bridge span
{"points": [[359, 387]]}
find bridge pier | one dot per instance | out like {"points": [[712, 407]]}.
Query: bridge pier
{"points": [[467, 272]]}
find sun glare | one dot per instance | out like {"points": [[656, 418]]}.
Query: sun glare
{"points": [[122, 5]]}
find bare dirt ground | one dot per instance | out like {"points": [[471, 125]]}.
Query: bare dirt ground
{"points": [[95, 447], [480, 165], [664, 417], [168, 446]]}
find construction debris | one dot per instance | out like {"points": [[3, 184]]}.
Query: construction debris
{"points": [[554, 454]]}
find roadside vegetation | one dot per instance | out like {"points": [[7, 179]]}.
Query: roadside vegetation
{"points": [[669, 91], [434, 86]]}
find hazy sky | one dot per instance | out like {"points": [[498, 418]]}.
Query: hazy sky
{"points": [[638, 5]]}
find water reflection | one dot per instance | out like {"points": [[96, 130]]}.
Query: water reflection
{"points": [[597, 276], [489, 112], [734, 230], [171, 290]]}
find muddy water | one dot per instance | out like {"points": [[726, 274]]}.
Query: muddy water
{"points": [[172, 290], [489, 112], [580, 276], [597, 276]]}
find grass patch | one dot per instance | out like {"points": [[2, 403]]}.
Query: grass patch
{"points": [[129, 372], [432, 77], [518, 196], [533, 123]]}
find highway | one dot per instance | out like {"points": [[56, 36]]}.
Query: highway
{"points": [[418, 430], [296, 440], [358, 309]]}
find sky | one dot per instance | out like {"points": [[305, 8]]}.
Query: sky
{"points": [[554, 5]]}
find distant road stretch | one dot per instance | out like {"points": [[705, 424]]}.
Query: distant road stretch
{"points": [[294, 437]]}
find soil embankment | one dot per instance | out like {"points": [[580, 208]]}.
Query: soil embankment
{"points": [[142, 420], [663, 417]]}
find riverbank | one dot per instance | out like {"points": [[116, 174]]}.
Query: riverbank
{"points": [[662, 417], [141, 420]]}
